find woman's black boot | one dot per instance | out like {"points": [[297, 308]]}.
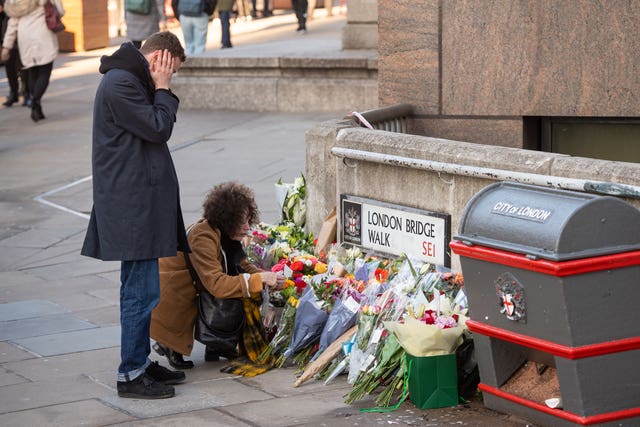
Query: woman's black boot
{"points": [[13, 97], [36, 112], [175, 359]]}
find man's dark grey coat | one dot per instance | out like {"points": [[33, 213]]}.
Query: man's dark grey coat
{"points": [[136, 211]]}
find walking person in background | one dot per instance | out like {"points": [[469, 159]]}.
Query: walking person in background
{"points": [[194, 22], [38, 46], [136, 216], [265, 9], [13, 67], [300, 7], [224, 10], [141, 25]]}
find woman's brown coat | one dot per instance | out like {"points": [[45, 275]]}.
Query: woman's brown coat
{"points": [[173, 319]]}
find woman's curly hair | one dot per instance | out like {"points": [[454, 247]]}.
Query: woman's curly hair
{"points": [[225, 205]]}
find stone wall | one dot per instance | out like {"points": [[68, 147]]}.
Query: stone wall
{"points": [[472, 68], [361, 31], [289, 84], [329, 176]]}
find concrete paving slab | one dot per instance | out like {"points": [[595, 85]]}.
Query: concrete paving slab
{"points": [[288, 411], [11, 353], [37, 238], [27, 309], [10, 257], [51, 255], [84, 301], [70, 342], [26, 332], [279, 382], [203, 418], [18, 278], [105, 316], [75, 414], [91, 363], [71, 267], [58, 291], [10, 378], [20, 397], [209, 394]]}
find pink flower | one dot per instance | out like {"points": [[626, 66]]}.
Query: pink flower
{"points": [[444, 322]]}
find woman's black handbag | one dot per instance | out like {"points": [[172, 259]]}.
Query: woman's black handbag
{"points": [[220, 320]]}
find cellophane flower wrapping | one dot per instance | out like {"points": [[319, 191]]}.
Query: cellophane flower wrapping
{"points": [[282, 337], [380, 362], [309, 322], [292, 200], [342, 317], [433, 323]]}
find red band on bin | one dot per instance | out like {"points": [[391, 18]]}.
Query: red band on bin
{"points": [[550, 347], [570, 416], [551, 268]]}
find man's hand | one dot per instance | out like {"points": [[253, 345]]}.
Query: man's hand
{"points": [[161, 67]]}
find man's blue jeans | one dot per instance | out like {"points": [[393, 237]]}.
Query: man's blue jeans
{"points": [[139, 294], [194, 30]]}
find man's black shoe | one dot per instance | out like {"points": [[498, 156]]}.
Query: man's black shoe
{"points": [[164, 375], [144, 387]]}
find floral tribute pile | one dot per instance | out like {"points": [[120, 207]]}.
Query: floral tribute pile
{"points": [[347, 312]]}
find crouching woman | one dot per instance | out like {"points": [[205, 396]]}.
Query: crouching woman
{"points": [[224, 271]]}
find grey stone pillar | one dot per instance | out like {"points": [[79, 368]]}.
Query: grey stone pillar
{"points": [[361, 31]]}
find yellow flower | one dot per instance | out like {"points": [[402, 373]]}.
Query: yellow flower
{"points": [[320, 268]]}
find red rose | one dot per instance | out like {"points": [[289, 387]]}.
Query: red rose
{"points": [[297, 266]]}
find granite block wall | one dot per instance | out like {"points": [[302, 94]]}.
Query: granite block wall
{"points": [[484, 64]]}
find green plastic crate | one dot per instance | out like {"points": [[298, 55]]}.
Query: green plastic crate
{"points": [[433, 381]]}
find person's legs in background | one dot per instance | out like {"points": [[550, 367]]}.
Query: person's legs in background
{"points": [[26, 92], [187, 23], [200, 29], [38, 81], [300, 7], [226, 28], [12, 68], [265, 9]]}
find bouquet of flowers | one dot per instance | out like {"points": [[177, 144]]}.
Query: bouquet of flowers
{"points": [[344, 313], [309, 322], [431, 329], [256, 246], [379, 361], [282, 337], [292, 200]]}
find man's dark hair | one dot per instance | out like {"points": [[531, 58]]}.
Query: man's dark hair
{"points": [[164, 40], [227, 203]]}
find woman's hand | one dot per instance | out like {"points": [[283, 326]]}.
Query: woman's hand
{"points": [[272, 280]]}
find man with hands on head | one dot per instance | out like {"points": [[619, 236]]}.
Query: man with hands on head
{"points": [[136, 216]]}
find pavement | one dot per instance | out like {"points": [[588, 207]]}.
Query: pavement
{"points": [[59, 316]]}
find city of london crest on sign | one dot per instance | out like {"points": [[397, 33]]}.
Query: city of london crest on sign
{"points": [[511, 298], [352, 222]]}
